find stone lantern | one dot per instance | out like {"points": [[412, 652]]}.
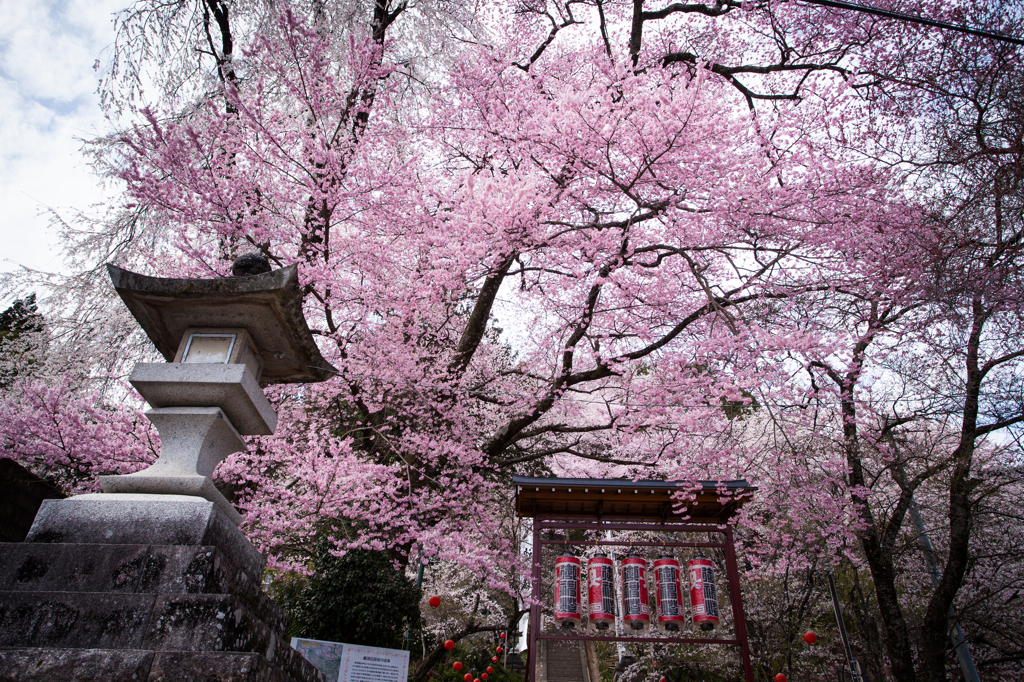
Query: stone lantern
{"points": [[223, 339], [152, 579]]}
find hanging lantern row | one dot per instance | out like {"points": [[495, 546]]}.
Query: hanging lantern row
{"points": [[636, 611]]}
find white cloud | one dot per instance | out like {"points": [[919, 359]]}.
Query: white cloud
{"points": [[47, 100]]}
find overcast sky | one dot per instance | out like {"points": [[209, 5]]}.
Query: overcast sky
{"points": [[47, 100]]}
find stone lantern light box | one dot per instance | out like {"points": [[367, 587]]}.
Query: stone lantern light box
{"points": [[223, 338]]}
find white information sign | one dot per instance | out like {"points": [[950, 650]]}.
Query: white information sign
{"points": [[325, 656], [373, 664]]}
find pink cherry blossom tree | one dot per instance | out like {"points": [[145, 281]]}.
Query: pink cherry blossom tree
{"points": [[594, 238]]}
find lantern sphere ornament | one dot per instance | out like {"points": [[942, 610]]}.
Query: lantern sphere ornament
{"points": [[780, 678], [490, 669], [498, 649], [810, 637], [457, 665], [449, 645], [494, 659], [434, 602], [483, 676], [467, 677]]}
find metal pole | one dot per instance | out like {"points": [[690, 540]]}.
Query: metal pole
{"points": [[963, 654], [735, 598], [854, 667]]}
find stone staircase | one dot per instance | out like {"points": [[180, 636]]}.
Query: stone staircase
{"points": [[565, 661], [106, 606]]}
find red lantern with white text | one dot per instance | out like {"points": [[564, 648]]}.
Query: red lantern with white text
{"points": [[671, 613], [601, 591], [635, 599], [567, 591], [703, 596]]}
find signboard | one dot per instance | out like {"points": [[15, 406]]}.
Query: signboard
{"points": [[373, 664], [325, 656]]}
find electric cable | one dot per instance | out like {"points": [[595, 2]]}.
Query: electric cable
{"points": [[889, 14]]}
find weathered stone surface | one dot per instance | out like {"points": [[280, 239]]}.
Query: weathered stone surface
{"points": [[38, 567], [231, 387], [193, 441], [209, 622], [57, 665], [185, 666], [182, 666], [77, 620], [124, 519]]}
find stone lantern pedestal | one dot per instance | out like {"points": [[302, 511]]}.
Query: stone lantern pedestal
{"points": [[151, 580]]}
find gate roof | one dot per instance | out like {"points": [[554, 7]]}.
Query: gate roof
{"points": [[625, 498]]}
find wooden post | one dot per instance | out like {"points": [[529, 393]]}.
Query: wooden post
{"points": [[736, 599], [531, 651]]}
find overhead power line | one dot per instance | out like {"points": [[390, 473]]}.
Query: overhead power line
{"points": [[867, 9]]}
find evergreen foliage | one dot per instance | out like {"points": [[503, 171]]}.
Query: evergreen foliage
{"points": [[359, 598]]}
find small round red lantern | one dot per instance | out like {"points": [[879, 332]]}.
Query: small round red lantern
{"points": [[502, 635], [490, 669], [434, 602], [483, 676], [494, 659], [662, 680], [780, 678], [467, 677], [810, 637], [457, 665], [499, 649], [449, 645]]}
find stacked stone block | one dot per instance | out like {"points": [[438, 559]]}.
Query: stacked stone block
{"points": [[171, 592]]}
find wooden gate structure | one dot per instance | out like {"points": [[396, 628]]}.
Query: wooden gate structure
{"points": [[568, 504]]}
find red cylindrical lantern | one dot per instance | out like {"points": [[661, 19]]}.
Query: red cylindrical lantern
{"points": [[671, 612], [601, 591], [567, 591], [703, 596], [635, 600], [457, 665]]}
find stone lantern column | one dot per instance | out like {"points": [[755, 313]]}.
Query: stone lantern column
{"points": [[152, 579]]}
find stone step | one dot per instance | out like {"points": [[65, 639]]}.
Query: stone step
{"points": [[155, 622], [118, 665], [564, 663], [132, 569]]}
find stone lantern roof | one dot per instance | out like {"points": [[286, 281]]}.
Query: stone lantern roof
{"points": [[268, 306]]}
